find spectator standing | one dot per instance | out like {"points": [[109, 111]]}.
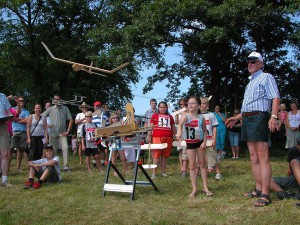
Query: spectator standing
{"points": [[213, 161], [261, 96], [192, 128], [221, 132], [100, 119], [234, 134], [183, 158], [4, 140], [292, 125], [163, 132], [36, 132], [149, 113], [19, 137], [80, 120], [88, 141], [59, 115]]}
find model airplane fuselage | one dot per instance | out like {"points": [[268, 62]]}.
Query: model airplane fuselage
{"points": [[87, 68]]}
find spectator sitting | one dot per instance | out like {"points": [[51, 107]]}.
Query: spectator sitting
{"points": [[281, 185], [45, 169]]}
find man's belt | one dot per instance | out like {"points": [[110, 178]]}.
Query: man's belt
{"points": [[245, 114]]}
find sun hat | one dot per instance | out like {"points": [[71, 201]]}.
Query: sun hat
{"points": [[84, 105]]}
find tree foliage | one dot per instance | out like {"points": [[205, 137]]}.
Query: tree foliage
{"points": [[215, 38]]}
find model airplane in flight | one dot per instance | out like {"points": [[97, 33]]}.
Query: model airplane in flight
{"points": [[87, 68]]}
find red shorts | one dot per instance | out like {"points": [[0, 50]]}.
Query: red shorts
{"points": [[166, 152]]}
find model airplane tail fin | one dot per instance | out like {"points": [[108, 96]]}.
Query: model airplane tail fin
{"points": [[48, 50]]}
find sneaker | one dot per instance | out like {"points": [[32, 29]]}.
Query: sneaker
{"points": [[223, 154], [184, 174], [218, 176], [66, 169], [153, 176], [36, 185], [233, 157], [7, 184], [164, 175], [237, 157], [28, 185], [285, 195]]}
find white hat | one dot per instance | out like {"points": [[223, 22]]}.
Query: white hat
{"points": [[255, 55]]}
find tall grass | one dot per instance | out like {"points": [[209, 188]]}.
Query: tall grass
{"points": [[78, 199]]}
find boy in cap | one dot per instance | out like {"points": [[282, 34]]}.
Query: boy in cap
{"points": [[45, 169]]}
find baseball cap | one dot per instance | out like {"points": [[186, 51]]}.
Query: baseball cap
{"points": [[48, 147], [97, 103], [255, 55]]}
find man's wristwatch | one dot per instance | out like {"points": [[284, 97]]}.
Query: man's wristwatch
{"points": [[274, 116]]}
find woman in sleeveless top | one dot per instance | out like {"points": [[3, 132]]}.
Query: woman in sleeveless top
{"points": [[192, 129], [183, 160], [36, 133], [292, 126]]}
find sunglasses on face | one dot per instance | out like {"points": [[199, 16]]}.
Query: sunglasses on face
{"points": [[21, 100], [114, 118]]}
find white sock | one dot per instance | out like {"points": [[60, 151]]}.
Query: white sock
{"points": [[4, 178]]}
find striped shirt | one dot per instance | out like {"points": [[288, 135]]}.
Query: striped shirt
{"points": [[4, 105], [259, 92]]}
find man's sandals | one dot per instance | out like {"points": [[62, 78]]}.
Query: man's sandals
{"points": [[261, 202], [253, 193]]}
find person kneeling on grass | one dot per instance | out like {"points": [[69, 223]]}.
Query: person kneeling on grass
{"points": [[283, 185], [45, 169]]}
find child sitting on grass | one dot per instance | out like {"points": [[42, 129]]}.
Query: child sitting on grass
{"points": [[45, 169]]}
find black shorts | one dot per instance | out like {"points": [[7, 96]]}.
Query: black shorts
{"points": [[91, 151], [101, 147], [193, 145], [256, 128], [53, 175]]}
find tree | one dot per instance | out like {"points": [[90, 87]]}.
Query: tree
{"points": [[64, 26]]}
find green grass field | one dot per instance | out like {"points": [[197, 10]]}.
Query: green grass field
{"points": [[78, 199]]}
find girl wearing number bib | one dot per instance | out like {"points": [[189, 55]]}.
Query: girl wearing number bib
{"points": [[192, 129], [163, 132]]}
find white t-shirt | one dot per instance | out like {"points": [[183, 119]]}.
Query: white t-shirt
{"points": [[43, 160], [88, 133], [211, 121], [80, 116]]}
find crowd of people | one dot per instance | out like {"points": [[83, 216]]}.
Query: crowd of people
{"points": [[200, 136]]}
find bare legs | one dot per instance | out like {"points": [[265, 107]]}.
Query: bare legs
{"points": [[261, 168], [192, 164]]}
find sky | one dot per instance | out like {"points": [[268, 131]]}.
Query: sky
{"points": [[141, 102]]}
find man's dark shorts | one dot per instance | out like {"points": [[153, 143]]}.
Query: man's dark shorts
{"points": [[287, 182], [53, 175], [91, 151], [256, 128]]}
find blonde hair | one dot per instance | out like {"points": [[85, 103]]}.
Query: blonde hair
{"points": [[204, 99]]}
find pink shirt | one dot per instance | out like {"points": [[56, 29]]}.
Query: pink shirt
{"points": [[9, 123]]}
